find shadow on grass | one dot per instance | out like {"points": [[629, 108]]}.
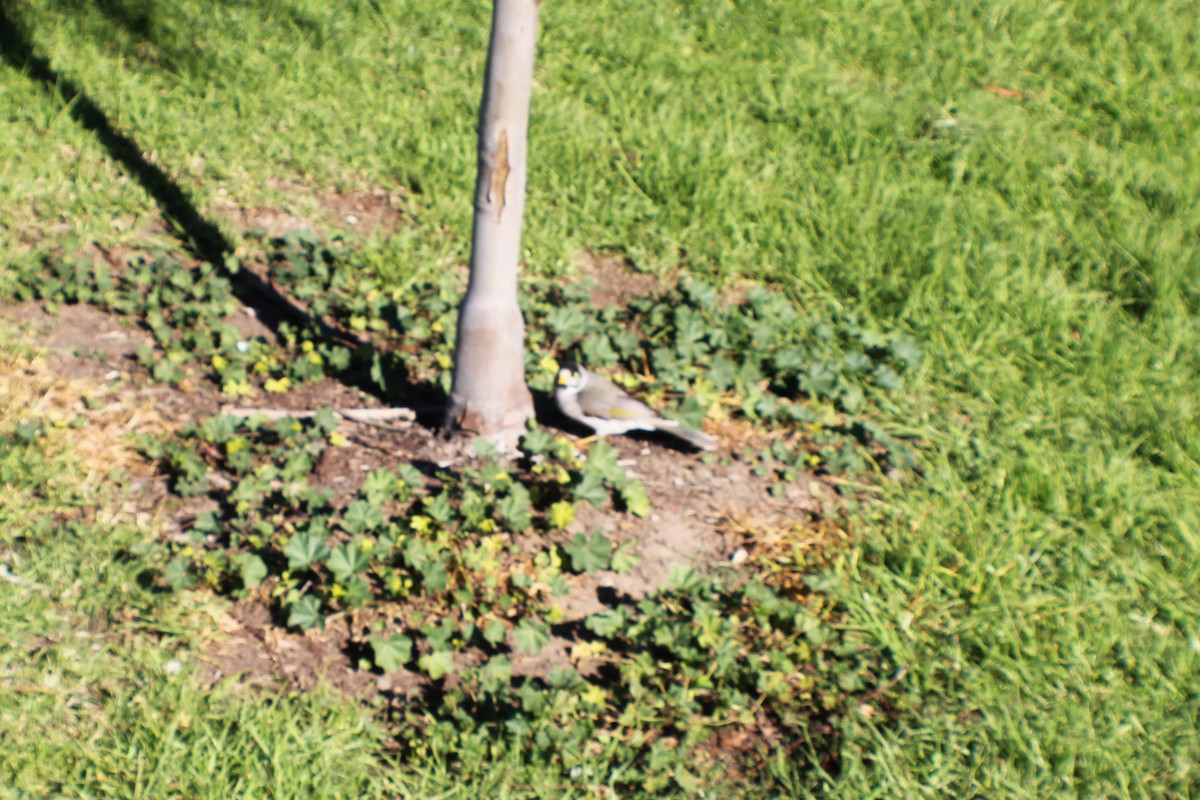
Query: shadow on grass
{"points": [[198, 234]]}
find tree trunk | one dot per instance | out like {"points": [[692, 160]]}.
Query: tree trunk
{"points": [[489, 396]]}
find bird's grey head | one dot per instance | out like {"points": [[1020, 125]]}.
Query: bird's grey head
{"points": [[572, 376]]}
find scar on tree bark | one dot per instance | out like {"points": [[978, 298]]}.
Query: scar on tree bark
{"points": [[499, 176]]}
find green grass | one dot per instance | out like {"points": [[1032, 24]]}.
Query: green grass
{"points": [[87, 705], [1040, 580]]}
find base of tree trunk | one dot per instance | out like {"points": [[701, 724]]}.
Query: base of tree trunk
{"points": [[500, 421], [489, 397]]}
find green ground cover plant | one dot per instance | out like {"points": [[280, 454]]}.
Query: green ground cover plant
{"points": [[717, 652], [1005, 185]]}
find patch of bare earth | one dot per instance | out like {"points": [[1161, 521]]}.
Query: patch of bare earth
{"points": [[375, 210], [75, 328], [616, 281]]}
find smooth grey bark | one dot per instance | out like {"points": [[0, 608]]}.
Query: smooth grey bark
{"points": [[489, 396]]}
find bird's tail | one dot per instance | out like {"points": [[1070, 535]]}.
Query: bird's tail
{"points": [[701, 441]]}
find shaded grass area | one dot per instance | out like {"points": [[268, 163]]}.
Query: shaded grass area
{"points": [[1009, 183]]}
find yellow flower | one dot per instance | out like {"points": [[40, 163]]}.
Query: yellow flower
{"points": [[237, 388], [594, 695], [585, 650], [562, 514]]}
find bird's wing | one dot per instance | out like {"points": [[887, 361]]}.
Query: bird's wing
{"points": [[625, 407]]}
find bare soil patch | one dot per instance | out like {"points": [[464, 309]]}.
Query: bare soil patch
{"points": [[75, 328], [617, 282], [365, 213]]}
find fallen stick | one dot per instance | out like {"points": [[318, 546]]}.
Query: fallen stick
{"points": [[367, 416]]}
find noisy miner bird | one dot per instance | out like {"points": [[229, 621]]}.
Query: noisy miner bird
{"points": [[595, 401]]}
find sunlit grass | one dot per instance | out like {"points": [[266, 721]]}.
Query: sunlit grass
{"points": [[1012, 183]]}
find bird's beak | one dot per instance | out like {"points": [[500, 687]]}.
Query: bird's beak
{"points": [[563, 377]]}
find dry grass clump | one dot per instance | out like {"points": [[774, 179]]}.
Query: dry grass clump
{"points": [[85, 424]]}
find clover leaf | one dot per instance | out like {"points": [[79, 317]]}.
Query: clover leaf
{"points": [[589, 554], [305, 613], [530, 637], [437, 664], [392, 652], [305, 549]]}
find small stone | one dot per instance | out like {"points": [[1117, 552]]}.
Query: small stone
{"points": [[738, 556]]}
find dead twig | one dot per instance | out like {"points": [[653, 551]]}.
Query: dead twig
{"points": [[364, 416], [1011, 94]]}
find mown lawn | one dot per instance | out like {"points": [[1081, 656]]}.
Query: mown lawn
{"points": [[1012, 185]]}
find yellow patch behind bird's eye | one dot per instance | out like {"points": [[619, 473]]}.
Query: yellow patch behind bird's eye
{"points": [[570, 377]]}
